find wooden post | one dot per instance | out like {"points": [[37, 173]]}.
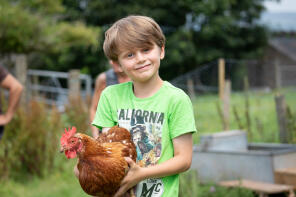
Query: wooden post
{"points": [[226, 104], [281, 109], [74, 84], [247, 107], [21, 74], [221, 64], [277, 70], [190, 86], [35, 79]]}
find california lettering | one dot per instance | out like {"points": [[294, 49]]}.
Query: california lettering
{"points": [[147, 116]]}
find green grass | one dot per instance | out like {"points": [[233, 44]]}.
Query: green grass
{"points": [[191, 187], [262, 110], [62, 182]]}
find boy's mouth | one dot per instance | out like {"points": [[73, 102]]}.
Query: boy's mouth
{"points": [[142, 67]]}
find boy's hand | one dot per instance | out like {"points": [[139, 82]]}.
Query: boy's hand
{"points": [[132, 178]]}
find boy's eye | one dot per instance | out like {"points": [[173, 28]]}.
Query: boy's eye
{"points": [[130, 55], [146, 50]]}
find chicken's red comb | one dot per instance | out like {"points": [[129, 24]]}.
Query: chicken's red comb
{"points": [[68, 133]]}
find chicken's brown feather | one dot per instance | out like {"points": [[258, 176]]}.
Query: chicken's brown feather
{"points": [[101, 163]]}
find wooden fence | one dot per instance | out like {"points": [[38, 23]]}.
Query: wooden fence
{"points": [[48, 86]]}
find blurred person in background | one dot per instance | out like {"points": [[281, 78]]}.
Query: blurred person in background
{"points": [[112, 76], [7, 81]]}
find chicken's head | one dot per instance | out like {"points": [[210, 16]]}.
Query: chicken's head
{"points": [[70, 143]]}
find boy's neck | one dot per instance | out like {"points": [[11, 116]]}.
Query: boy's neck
{"points": [[122, 77], [148, 88]]}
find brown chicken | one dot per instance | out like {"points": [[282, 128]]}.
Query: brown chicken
{"points": [[101, 162]]}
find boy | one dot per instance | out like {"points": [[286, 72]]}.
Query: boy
{"points": [[159, 115]]}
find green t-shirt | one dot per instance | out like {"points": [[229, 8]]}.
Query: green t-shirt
{"points": [[153, 123]]}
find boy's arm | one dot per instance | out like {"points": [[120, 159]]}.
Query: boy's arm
{"points": [[105, 129], [179, 163]]}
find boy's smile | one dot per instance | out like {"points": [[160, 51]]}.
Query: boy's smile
{"points": [[143, 68], [141, 65]]}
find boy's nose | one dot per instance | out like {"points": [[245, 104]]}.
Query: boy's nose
{"points": [[140, 57]]}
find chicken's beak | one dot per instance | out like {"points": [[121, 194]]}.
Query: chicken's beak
{"points": [[62, 149]]}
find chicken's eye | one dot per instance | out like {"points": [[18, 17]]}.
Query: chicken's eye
{"points": [[72, 141]]}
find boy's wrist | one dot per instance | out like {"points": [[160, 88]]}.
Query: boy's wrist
{"points": [[147, 173]]}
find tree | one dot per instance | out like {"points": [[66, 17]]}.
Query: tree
{"points": [[197, 31], [35, 28]]}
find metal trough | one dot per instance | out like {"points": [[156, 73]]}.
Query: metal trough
{"points": [[257, 161]]}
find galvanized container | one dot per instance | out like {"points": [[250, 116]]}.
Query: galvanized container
{"points": [[257, 162]]}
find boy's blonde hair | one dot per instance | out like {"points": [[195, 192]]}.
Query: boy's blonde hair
{"points": [[132, 32]]}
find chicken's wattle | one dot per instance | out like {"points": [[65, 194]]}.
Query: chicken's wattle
{"points": [[70, 154]]}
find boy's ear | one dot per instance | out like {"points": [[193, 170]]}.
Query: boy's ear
{"points": [[162, 52], [116, 66]]}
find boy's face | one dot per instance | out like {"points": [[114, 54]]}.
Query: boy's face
{"points": [[141, 65]]}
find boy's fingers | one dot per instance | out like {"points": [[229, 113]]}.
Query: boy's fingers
{"points": [[120, 192], [130, 162]]}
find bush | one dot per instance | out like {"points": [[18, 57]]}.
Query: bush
{"points": [[77, 115], [30, 142]]}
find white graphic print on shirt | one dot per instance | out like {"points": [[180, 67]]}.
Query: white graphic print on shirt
{"points": [[145, 128]]}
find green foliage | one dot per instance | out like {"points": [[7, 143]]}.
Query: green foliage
{"points": [[180, 53], [48, 7], [19, 30], [30, 142], [197, 31], [77, 115], [62, 36], [291, 125], [30, 26]]}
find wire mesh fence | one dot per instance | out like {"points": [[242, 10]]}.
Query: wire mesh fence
{"points": [[259, 75]]}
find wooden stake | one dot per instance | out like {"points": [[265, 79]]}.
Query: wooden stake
{"points": [[219, 110], [281, 109], [277, 71], [237, 118], [190, 86], [221, 64], [247, 108], [226, 104]]}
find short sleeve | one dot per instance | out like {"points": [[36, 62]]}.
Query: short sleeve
{"points": [[103, 117], [181, 117], [3, 73]]}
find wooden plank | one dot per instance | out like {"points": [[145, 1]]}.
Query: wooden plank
{"points": [[259, 187], [285, 176]]}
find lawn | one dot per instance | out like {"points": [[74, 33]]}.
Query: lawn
{"points": [[61, 182], [262, 111]]}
